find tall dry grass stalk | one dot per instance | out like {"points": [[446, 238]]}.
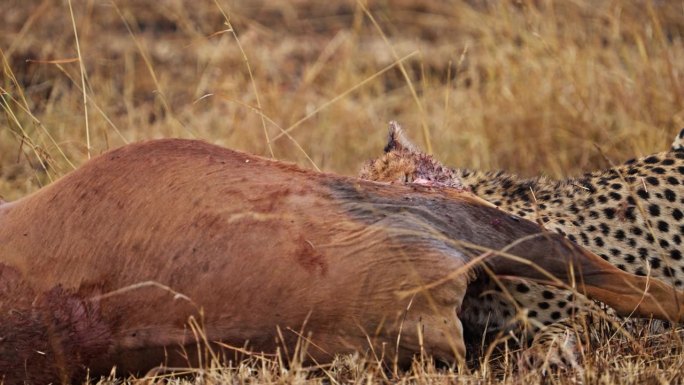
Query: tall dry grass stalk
{"points": [[532, 86]]}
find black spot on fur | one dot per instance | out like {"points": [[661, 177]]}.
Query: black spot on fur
{"points": [[655, 263], [610, 212], [654, 210], [670, 195], [677, 214], [652, 180], [643, 194], [663, 226], [643, 252]]}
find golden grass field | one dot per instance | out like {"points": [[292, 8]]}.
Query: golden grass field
{"points": [[532, 86]]}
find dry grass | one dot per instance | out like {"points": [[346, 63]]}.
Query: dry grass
{"points": [[531, 86]]}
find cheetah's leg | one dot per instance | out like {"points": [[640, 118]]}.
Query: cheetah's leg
{"points": [[550, 320], [569, 320]]}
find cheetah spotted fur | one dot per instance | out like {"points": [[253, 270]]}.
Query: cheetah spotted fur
{"points": [[631, 215]]}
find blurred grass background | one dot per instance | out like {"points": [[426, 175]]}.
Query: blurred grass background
{"points": [[530, 86]]}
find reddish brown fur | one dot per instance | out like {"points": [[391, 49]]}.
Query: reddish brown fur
{"points": [[257, 244]]}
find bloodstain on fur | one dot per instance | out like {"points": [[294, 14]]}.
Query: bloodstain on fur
{"points": [[51, 333], [309, 258]]}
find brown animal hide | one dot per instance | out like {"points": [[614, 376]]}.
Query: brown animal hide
{"points": [[107, 265]]}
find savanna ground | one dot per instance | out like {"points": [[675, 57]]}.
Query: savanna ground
{"points": [[536, 87]]}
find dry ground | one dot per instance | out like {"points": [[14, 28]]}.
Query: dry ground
{"points": [[537, 87]]}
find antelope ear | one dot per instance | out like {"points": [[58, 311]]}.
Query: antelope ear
{"points": [[397, 141], [553, 256]]}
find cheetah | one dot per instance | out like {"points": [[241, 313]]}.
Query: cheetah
{"points": [[678, 143], [631, 215]]}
